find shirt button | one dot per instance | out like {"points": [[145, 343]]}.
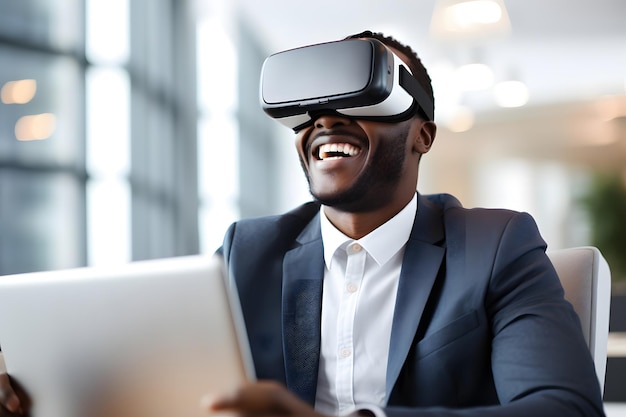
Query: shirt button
{"points": [[345, 353], [352, 287], [356, 248]]}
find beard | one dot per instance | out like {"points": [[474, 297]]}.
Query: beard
{"points": [[371, 188]]}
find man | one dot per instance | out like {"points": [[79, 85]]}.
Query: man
{"points": [[376, 300]]}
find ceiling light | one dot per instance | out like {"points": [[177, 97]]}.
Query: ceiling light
{"points": [[35, 127], [462, 18], [511, 93], [464, 15], [18, 92]]}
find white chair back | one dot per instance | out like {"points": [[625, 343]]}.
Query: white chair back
{"points": [[586, 279]]}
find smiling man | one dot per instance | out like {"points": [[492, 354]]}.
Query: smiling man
{"points": [[377, 300]]}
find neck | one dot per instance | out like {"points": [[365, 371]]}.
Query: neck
{"points": [[355, 224]]}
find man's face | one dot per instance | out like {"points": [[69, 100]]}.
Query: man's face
{"points": [[354, 164], [357, 165]]}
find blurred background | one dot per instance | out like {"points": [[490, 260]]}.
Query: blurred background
{"points": [[131, 129]]}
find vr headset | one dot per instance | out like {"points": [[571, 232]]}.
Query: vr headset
{"points": [[360, 78]]}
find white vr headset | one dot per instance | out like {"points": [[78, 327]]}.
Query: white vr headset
{"points": [[360, 78]]}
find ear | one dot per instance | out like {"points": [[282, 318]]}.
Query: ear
{"points": [[424, 133]]}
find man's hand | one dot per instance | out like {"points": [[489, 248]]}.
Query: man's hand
{"points": [[10, 403], [260, 398]]}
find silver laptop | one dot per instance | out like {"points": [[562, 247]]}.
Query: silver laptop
{"points": [[146, 339]]}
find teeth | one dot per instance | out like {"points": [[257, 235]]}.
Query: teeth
{"points": [[337, 150]]}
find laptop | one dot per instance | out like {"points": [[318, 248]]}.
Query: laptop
{"points": [[144, 339]]}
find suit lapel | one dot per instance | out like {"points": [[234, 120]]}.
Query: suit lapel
{"points": [[421, 264], [303, 273]]}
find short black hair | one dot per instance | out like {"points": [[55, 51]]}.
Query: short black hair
{"points": [[415, 63]]}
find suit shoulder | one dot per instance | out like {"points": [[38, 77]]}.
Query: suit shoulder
{"points": [[481, 222], [450, 207], [492, 227], [299, 216], [271, 231], [489, 217]]}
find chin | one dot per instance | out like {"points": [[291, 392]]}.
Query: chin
{"points": [[351, 202]]}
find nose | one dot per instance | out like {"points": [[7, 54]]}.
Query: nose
{"points": [[327, 121]]}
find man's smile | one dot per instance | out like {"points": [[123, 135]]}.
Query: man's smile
{"points": [[335, 151]]}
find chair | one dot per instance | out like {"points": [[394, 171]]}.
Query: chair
{"points": [[586, 279]]}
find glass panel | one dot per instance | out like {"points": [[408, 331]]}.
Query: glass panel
{"points": [[108, 193], [108, 124], [40, 108], [103, 44], [218, 136], [57, 23], [218, 181], [41, 218], [108, 230]]}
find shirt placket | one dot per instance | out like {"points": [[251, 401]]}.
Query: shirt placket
{"points": [[355, 268]]}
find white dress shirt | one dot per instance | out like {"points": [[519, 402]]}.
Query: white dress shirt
{"points": [[359, 295]]}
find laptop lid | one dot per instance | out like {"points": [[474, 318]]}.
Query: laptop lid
{"points": [[149, 338]]}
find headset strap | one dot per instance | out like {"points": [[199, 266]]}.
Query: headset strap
{"points": [[410, 84]]}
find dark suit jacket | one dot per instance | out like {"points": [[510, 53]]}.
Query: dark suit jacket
{"points": [[480, 328]]}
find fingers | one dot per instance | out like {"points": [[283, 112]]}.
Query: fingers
{"points": [[8, 398], [265, 397]]}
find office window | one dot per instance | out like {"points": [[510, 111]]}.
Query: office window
{"points": [[42, 173], [41, 220], [53, 26], [98, 120]]}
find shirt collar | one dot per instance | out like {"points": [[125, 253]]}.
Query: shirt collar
{"points": [[381, 244]]}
